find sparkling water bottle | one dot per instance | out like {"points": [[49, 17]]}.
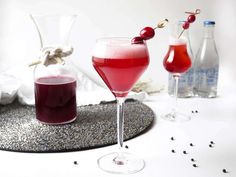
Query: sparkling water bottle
{"points": [[186, 82], [206, 65]]}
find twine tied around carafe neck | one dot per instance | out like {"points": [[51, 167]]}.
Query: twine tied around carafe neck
{"points": [[53, 55]]}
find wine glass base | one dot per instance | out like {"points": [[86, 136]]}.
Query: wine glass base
{"points": [[125, 163], [176, 117]]}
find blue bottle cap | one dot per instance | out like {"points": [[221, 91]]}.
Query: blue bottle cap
{"points": [[209, 22]]}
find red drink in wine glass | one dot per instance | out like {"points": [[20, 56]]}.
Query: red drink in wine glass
{"points": [[176, 61]]}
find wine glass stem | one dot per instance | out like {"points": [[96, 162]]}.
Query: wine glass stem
{"points": [[176, 78], [120, 121]]}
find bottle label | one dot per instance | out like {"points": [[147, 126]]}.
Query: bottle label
{"points": [[207, 76], [185, 85], [186, 79]]}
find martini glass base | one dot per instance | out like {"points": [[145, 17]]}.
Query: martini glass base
{"points": [[125, 163]]}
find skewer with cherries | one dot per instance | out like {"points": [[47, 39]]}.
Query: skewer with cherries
{"points": [[148, 32], [191, 18]]}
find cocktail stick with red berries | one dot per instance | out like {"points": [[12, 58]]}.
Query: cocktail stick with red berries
{"points": [[191, 18], [148, 32]]}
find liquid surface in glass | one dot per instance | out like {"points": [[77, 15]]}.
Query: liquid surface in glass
{"points": [[121, 66]]}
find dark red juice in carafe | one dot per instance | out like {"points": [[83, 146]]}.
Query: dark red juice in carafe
{"points": [[55, 99]]}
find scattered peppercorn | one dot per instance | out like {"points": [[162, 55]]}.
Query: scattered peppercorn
{"points": [[210, 145], [172, 138], [212, 142], [75, 162], [192, 111], [194, 165], [224, 171]]}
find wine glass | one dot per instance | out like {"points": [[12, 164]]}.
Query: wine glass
{"points": [[120, 64], [176, 62]]}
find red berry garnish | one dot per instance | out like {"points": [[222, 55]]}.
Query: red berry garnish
{"points": [[147, 33], [137, 40], [185, 25], [191, 18]]}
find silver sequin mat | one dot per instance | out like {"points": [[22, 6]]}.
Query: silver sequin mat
{"points": [[94, 127]]}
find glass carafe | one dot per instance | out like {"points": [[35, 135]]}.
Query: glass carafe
{"points": [[54, 77]]}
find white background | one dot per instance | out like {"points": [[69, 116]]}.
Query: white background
{"points": [[19, 45], [19, 42]]}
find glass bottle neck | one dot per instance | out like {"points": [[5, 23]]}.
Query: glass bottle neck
{"points": [[175, 30], [209, 32], [185, 35]]}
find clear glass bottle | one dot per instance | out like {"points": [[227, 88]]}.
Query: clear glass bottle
{"points": [[54, 76], [185, 86], [206, 65]]}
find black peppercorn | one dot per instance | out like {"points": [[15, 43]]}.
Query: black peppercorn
{"points": [[184, 152], [192, 159], [75, 162], [191, 144], [194, 165], [172, 138], [224, 171], [173, 151]]}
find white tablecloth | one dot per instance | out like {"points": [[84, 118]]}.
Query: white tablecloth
{"points": [[215, 121]]}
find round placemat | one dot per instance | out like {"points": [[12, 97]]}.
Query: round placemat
{"points": [[95, 126]]}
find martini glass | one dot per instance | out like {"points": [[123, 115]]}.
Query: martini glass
{"points": [[120, 64], [176, 62]]}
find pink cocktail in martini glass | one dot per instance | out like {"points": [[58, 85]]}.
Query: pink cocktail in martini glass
{"points": [[120, 64]]}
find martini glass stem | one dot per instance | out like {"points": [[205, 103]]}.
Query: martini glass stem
{"points": [[120, 121], [120, 129]]}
